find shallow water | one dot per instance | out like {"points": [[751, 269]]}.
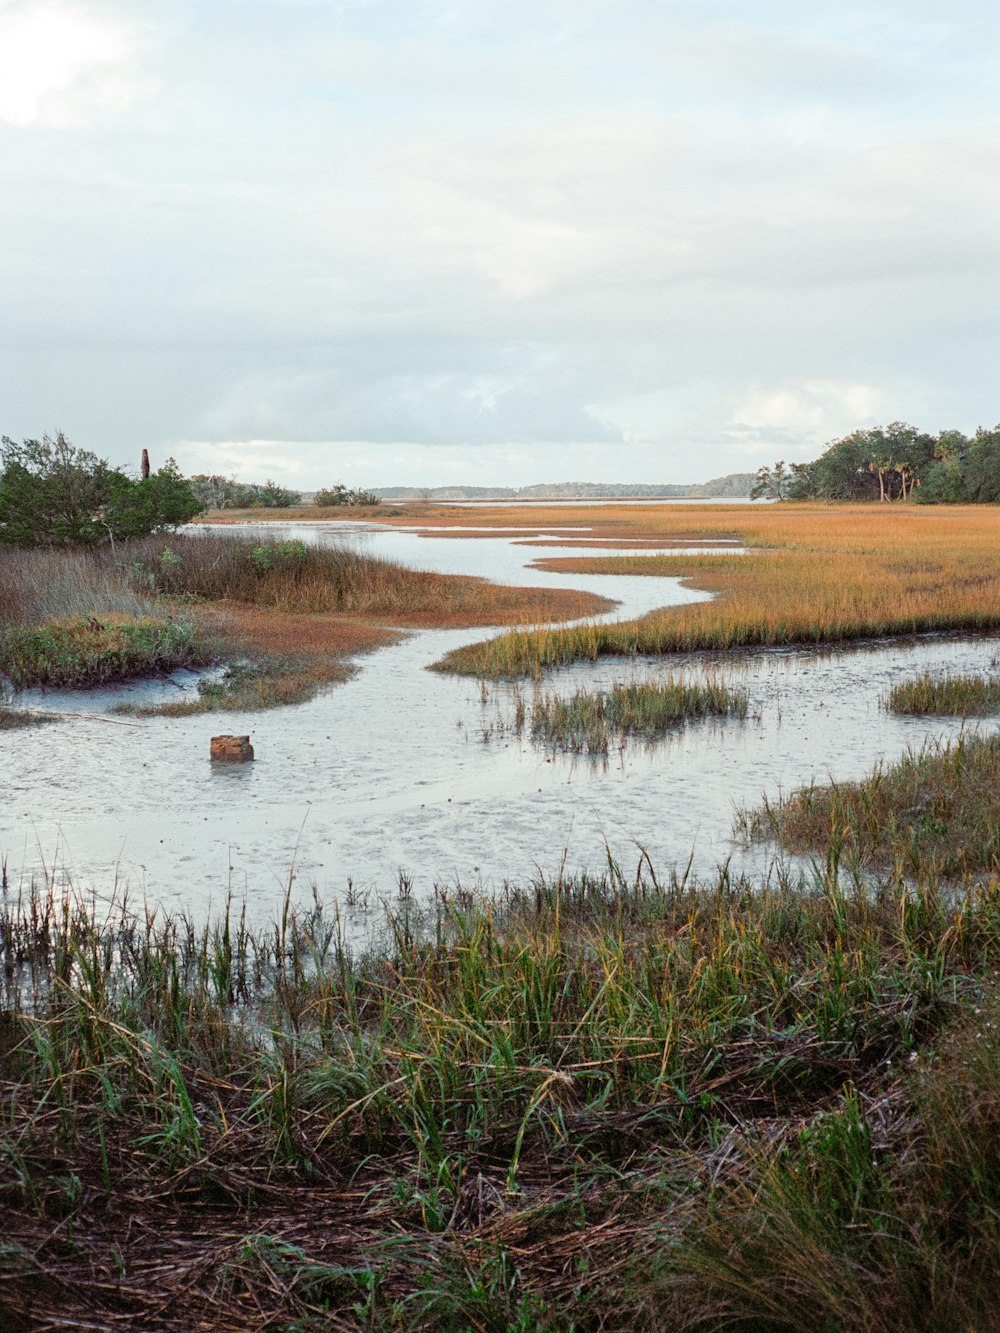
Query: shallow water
{"points": [[405, 768]]}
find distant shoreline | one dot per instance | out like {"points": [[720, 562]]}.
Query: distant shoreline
{"points": [[736, 486]]}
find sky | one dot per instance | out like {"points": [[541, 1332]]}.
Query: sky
{"points": [[430, 242]]}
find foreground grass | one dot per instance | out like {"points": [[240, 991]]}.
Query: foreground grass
{"points": [[934, 812], [813, 575], [600, 1103], [946, 696], [589, 721]]}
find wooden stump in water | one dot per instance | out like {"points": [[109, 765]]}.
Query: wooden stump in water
{"points": [[232, 749]]}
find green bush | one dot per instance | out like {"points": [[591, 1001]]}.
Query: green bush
{"points": [[277, 555], [53, 494], [334, 496]]}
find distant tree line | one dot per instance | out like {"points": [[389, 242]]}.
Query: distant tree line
{"points": [[893, 463], [53, 494], [218, 492], [735, 485]]}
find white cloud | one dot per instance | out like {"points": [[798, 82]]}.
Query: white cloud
{"points": [[60, 59], [708, 232]]}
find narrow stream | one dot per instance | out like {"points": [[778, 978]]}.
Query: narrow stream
{"points": [[402, 769]]}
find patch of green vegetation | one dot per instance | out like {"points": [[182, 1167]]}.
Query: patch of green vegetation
{"points": [[250, 687], [590, 720], [87, 651], [946, 696], [278, 555], [592, 1103]]}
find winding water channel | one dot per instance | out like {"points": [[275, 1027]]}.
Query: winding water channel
{"points": [[404, 769]]}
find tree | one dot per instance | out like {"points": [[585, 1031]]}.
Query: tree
{"points": [[771, 482], [50, 492], [53, 494], [982, 467], [160, 501], [273, 496], [333, 496], [803, 483], [882, 463], [218, 492]]}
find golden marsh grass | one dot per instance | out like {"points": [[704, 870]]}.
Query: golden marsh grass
{"points": [[813, 574]]}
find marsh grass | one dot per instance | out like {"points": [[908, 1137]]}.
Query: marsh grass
{"points": [[811, 576], [590, 721], [95, 617], [42, 586], [946, 696], [545, 1109], [293, 577], [933, 813]]}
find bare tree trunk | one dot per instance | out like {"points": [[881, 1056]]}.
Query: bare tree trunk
{"points": [[144, 465]]}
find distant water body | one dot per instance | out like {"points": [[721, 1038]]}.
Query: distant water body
{"points": [[596, 503]]}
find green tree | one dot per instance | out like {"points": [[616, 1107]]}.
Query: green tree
{"points": [[333, 496], [945, 480], [161, 501], [273, 496], [53, 494], [982, 467], [771, 483], [882, 463]]}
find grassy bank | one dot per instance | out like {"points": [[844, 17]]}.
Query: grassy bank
{"points": [[934, 812], [292, 577], [601, 1103], [813, 575], [287, 617], [80, 652], [590, 721]]}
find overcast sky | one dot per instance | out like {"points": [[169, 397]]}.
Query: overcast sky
{"points": [[433, 241]]}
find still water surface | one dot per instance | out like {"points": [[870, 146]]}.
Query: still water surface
{"points": [[402, 768]]}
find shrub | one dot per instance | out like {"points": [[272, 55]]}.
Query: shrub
{"points": [[335, 496], [53, 494]]}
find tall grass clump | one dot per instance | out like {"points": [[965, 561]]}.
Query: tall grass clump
{"points": [[934, 812], [589, 721], [880, 1213], [76, 618], [39, 586], [946, 696]]}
